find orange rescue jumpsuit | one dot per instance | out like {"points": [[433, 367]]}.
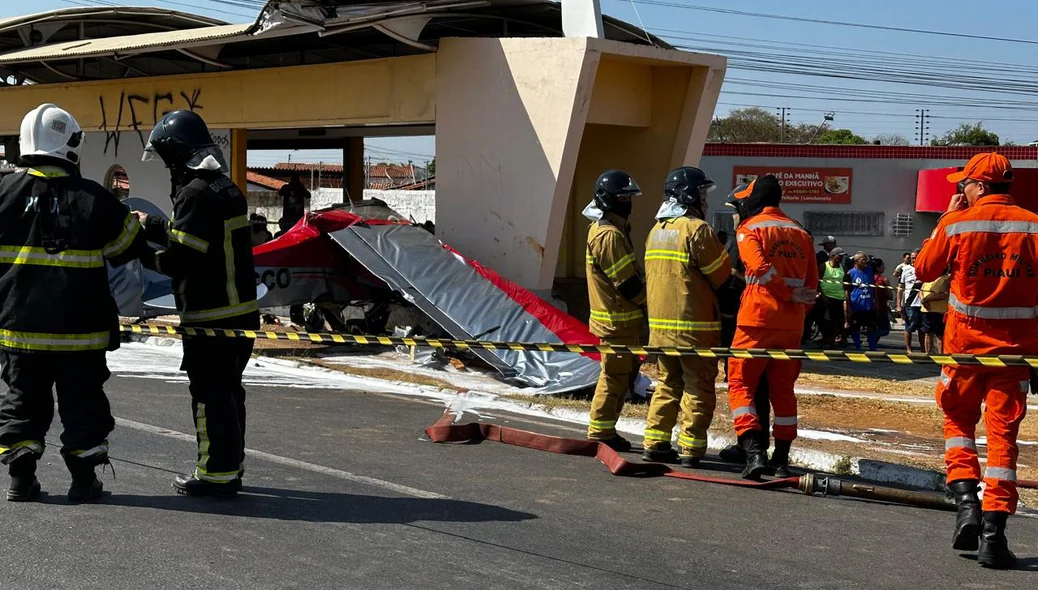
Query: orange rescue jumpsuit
{"points": [[780, 272], [992, 248]]}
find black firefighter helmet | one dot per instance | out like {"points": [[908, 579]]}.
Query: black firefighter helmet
{"points": [[613, 191], [180, 139], [688, 185], [750, 199]]}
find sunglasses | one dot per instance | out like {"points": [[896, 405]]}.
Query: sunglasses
{"points": [[962, 184]]}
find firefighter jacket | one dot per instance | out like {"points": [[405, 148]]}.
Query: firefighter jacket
{"points": [[992, 248], [208, 253], [57, 230], [685, 265], [616, 289], [781, 274]]}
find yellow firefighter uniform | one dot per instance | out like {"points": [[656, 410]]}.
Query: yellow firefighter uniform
{"points": [[684, 266], [616, 291]]}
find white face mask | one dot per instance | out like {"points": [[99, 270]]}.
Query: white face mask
{"points": [[592, 211], [671, 209]]}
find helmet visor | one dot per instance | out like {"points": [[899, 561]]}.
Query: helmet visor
{"points": [[150, 154]]}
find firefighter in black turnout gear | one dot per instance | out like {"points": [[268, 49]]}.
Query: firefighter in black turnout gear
{"points": [[57, 314], [208, 255]]}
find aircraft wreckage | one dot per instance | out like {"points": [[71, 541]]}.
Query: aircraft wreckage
{"points": [[365, 260]]}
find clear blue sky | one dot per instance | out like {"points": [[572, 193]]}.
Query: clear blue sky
{"points": [[1002, 18]]}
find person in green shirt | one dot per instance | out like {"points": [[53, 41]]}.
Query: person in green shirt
{"points": [[833, 293]]}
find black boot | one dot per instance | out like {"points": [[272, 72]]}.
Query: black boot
{"points": [[660, 454], [617, 443], [994, 548], [688, 459], [779, 463], [189, 485], [24, 485], [967, 523], [756, 460], [85, 485], [733, 454]]}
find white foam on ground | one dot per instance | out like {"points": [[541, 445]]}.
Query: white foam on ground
{"points": [[162, 362]]}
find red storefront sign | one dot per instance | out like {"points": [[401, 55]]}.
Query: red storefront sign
{"points": [[933, 191], [830, 186]]}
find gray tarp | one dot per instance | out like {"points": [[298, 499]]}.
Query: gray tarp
{"points": [[465, 304]]}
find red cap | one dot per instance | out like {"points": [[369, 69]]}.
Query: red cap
{"points": [[986, 167]]}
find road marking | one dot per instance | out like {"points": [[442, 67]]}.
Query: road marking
{"points": [[337, 473]]}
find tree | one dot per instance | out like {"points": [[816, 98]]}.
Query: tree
{"points": [[840, 137], [752, 125], [968, 134], [890, 139], [430, 166], [756, 125]]}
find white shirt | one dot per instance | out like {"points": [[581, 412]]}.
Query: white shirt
{"points": [[908, 279]]}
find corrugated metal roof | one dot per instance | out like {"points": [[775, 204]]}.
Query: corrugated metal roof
{"points": [[125, 45], [287, 18], [123, 12]]}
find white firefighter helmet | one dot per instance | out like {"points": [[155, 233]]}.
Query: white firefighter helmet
{"points": [[50, 131]]}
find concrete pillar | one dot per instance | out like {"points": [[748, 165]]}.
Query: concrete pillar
{"points": [[524, 126], [238, 158], [353, 169], [509, 118]]}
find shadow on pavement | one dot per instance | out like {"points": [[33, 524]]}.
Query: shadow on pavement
{"points": [[1023, 564], [279, 504]]}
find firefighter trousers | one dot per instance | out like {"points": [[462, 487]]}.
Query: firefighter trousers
{"points": [[781, 376], [1003, 392], [214, 367], [686, 382], [618, 374], [27, 408]]}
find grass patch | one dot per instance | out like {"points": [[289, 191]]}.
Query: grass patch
{"points": [[843, 466]]}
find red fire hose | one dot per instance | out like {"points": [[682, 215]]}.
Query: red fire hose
{"points": [[445, 430]]}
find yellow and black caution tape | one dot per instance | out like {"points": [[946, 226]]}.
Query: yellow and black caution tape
{"points": [[751, 353], [875, 286]]}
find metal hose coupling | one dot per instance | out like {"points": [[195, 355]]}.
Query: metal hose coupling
{"points": [[827, 485]]}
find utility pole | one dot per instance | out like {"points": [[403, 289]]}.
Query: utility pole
{"points": [[922, 125], [783, 113]]}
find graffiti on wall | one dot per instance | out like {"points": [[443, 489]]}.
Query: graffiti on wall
{"points": [[131, 115]]}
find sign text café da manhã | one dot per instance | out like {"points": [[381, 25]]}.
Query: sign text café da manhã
{"points": [[803, 185]]}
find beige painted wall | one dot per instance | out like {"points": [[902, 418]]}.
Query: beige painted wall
{"points": [[381, 91], [524, 126], [509, 117], [647, 153]]}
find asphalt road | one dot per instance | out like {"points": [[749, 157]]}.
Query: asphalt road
{"points": [[342, 492]]}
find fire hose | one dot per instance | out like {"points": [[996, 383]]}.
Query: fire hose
{"points": [[445, 431]]}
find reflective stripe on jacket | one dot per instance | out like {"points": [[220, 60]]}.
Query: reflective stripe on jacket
{"points": [[779, 259], [611, 262], [209, 253], [684, 266], [57, 230], [992, 249]]}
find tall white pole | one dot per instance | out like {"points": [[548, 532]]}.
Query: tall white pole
{"points": [[582, 18]]}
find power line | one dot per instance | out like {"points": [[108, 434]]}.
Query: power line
{"points": [[820, 21], [204, 8]]}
